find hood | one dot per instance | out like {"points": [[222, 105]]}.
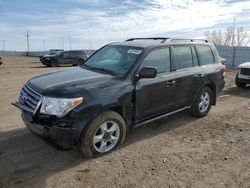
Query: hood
{"points": [[69, 83], [245, 65]]}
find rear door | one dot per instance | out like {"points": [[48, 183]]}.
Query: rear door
{"points": [[212, 69], [74, 57], [64, 58], [156, 96], [189, 75]]}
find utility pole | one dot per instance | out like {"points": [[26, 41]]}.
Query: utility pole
{"points": [[43, 47], [233, 44], [3, 47], [70, 43], [90, 45], [28, 42], [59, 44], [234, 28], [63, 43]]}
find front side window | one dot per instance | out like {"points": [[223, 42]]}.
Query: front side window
{"points": [[159, 59], [182, 57], [114, 59], [205, 55]]}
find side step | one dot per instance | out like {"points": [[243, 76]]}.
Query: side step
{"points": [[161, 116]]}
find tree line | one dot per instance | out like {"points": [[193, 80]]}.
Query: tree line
{"points": [[231, 37]]}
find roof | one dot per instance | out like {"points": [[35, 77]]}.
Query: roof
{"points": [[154, 42]]}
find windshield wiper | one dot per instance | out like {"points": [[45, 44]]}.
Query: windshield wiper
{"points": [[102, 70]]}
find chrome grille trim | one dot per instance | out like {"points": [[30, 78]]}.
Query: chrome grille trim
{"points": [[30, 98], [245, 71]]}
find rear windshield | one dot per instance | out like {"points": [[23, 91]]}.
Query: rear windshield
{"points": [[114, 58]]}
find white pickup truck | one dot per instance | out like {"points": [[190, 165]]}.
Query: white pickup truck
{"points": [[243, 77]]}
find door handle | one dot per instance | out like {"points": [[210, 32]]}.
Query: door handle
{"points": [[199, 76], [170, 83]]}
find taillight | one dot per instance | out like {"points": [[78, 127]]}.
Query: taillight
{"points": [[224, 70]]}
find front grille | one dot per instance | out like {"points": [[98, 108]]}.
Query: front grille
{"points": [[29, 97], [245, 71]]}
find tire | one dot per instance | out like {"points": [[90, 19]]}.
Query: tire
{"points": [[238, 83], [202, 104], [54, 63], [96, 131]]}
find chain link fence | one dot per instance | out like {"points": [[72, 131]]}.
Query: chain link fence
{"points": [[234, 55]]}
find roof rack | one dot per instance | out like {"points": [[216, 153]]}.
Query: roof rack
{"points": [[188, 40], [163, 39]]}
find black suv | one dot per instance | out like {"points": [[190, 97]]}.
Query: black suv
{"points": [[74, 57], [121, 86]]}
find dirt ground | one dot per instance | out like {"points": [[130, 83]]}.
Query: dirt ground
{"points": [[179, 151]]}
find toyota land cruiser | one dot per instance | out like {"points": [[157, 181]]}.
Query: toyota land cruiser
{"points": [[123, 85]]}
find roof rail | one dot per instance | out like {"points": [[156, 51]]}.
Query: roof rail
{"points": [[151, 38], [188, 40]]}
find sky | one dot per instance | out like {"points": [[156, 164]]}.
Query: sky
{"points": [[90, 24]]}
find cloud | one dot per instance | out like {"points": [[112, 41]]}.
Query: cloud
{"points": [[125, 19]]}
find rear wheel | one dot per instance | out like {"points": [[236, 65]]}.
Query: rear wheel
{"points": [[103, 135], [202, 104]]}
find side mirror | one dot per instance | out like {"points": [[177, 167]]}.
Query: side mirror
{"points": [[147, 72]]}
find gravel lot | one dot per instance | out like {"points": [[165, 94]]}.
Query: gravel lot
{"points": [[179, 151]]}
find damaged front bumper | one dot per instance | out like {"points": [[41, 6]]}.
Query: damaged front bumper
{"points": [[60, 131]]}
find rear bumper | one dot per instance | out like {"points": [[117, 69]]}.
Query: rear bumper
{"points": [[222, 85]]}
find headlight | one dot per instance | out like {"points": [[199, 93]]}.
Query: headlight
{"points": [[59, 107]]}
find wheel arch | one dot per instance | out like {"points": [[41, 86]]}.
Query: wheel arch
{"points": [[212, 86]]}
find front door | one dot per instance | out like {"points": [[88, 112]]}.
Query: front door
{"points": [[156, 96]]}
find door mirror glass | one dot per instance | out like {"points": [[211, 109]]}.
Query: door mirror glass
{"points": [[148, 72]]}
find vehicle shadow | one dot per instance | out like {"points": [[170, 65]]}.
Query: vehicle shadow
{"points": [[236, 91], [25, 159]]}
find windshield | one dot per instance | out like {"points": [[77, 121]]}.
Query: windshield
{"points": [[54, 52], [113, 59]]}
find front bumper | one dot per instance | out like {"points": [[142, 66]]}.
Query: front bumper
{"points": [[243, 79], [51, 130], [44, 61]]}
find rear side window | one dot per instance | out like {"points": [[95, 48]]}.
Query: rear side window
{"points": [[75, 54], [182, 57], [205, 55], [65, 54], [160, 59]]}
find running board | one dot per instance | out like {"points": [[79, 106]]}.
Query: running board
{"points": [[162, 116]]}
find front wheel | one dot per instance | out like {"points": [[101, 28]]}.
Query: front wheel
{"points": [[103, 135], [202, 104], [54, 63]]}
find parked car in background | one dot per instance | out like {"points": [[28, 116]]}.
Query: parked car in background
{"points": [[74, 57], [122, 86], [243, 77]]}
